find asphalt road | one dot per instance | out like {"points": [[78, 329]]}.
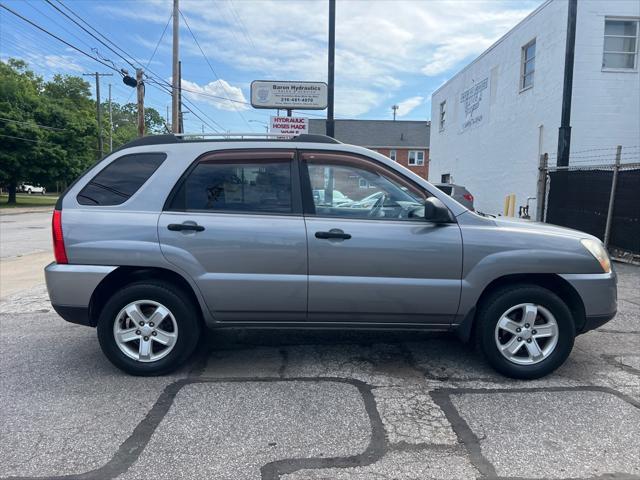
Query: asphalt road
{"points": [[25, 233], [315, 405], [25, 248]]}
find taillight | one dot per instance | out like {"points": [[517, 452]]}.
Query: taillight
{"points": [[58, 240], [468, 197]]}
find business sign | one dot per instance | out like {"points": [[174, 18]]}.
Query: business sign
{"points": [[474, 104], [289, 95], [289, 126]]}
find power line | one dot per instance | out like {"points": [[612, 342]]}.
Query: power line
{"points": [[159, 41], [155, 49], [38, 141], [56, 23], [58, 38], [118, 47], [243, 27], [33, 124], [167, 90], [158, 77], [211, 67], [126, 60]]}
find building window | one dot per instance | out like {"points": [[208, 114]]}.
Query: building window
{"points": [[528, 65], [620, 44], [393, 155], [416, 158], [445, 178], [443, 114]]}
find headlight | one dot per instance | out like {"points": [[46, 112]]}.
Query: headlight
{"points": [[596, 249]]}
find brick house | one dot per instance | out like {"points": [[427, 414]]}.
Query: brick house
{"points": [[405, 141]]}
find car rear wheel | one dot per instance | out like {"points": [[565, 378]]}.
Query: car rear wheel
{"points": [[525, 331], [148, 328]]}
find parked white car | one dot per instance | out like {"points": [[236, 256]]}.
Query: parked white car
{"points": [[31, 188]]}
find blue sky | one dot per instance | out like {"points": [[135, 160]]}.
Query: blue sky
{"points": [[387, 52]]}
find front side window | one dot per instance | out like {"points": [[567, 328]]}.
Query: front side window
{"points": [[620, 44], [528, 65], [251, 186], [357, 190], [119, 180], [416, 158]]}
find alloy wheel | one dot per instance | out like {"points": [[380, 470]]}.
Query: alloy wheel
{"points": [[145, 331], [526, 334]]}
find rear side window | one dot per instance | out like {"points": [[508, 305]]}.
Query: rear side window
{"points": [[116, 183], [235, 186]]}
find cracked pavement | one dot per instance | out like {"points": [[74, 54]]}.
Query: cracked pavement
{"points": [[315, 405]]}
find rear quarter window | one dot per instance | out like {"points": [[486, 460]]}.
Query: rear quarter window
{"points": [[123, 177]]}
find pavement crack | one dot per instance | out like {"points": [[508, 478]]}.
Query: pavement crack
{"points": [[464, 433], [376, 449]]}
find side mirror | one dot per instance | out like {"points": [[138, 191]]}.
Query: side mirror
{"points": [[435, 211]]}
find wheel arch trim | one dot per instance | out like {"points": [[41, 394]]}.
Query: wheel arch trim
{"points": [[125, 275], [466, 320]]}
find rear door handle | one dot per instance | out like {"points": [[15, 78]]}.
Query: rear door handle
{"points": [[178, 227], [333, 233]]}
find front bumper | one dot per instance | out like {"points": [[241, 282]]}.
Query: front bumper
{"points": [[599, 294], [71, 287]]}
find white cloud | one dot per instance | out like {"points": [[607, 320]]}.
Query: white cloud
{"points": [[406, 106], [219, 94], [62, 63], [379, 45]]}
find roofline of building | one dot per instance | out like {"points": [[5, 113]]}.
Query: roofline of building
{"points": [[396, 147], [495, 44]]}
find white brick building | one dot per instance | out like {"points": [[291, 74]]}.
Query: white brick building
{"points": [[491, 121]]}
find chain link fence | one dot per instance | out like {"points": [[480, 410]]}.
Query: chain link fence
{"points": [[598, 193]]}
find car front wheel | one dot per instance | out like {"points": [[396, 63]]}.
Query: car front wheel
{"points": [[148, 328], [525, 331]]}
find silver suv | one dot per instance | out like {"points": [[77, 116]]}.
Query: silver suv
{"points": [[167, 235]]}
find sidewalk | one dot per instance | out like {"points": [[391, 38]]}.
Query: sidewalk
{"points": [[19, 210]]}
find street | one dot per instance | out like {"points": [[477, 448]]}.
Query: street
{"points": [[305, 405]]}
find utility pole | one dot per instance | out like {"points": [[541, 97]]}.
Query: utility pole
{"points": [[180, 117], [175, 120], [140, 91], [110, 123], [564, 132], [97, 76], [330, 83], [395, 109]]}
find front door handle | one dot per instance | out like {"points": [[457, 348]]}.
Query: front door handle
{"points": [[178, 227], [333, 233]]}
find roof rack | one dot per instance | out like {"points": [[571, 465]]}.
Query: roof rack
{"points": [[304, 137], [232, 135], [225, 137]]}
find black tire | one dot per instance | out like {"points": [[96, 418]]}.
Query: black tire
{"points": [[499, 302], [181, 307], [29, 191]]}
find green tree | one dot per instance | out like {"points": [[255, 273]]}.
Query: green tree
{"points": [[125, 123], [48, 130]]}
